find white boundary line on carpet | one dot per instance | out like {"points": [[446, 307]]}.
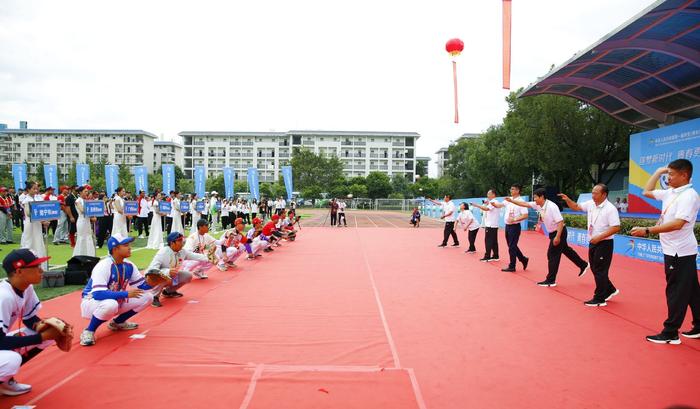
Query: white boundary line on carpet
{"points": [[56, 386], [387, 220], [370, 219], [251, 387]]}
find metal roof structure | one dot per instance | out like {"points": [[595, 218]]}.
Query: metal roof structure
{"points": [[30, 131], [645, 73]]}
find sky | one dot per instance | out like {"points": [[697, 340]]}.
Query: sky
{"points": [[365, 65]]}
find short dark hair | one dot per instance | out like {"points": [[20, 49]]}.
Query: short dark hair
{"points": [[449, 196], [517, 186], [682, 165], [604, 188], [119, 189], [493, 190], [541, 192]]}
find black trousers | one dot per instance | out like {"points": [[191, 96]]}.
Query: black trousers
{"points": [[104, 229], [491, 242], [682, 290], [554, 255], [472, 239], [168, 224], [449, 231], [600, 256], [512, 238], [334, 218], [341, 216], [142, 225]]}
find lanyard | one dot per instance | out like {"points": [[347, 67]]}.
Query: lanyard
{"points": [[674, 200]]}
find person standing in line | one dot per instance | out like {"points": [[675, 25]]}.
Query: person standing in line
{"points": [[50, 195], [17, 216], [554, 222], [175, 214], [32, 236], [624, 205], [341, 213], [603, 223], [61, 234], [72, 215], [155, 239], [680, 205], [513, 217], [283, 205], [169, 217], [491, 216], [449, 215], [269, 207], [84, 243], [119, 220], [334, 212], [254, 209], [104, 222], [6, 227], [142, 214], [618, 205], [468, 222], [196, 215]]}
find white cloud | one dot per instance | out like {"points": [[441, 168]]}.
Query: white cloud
{"points": [[168, 66]]}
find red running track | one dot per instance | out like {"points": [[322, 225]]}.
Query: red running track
{"points": [[381, 318]]}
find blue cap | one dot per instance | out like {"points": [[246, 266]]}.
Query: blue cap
{"points": [[118, 240], [174, 236]]}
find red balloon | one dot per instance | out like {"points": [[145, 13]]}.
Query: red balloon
{"points": [[454, 46]]}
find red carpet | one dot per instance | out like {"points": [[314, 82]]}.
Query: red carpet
{"points": [[305, 328]]}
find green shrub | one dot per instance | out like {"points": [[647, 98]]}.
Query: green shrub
{"points": [[626, 223]]}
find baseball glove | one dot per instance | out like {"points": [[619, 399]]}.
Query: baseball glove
{"points": [[65, 340], [159, 275]]}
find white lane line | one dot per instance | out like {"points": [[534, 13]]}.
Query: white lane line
{"points": [[416, 389], [56, 386], [387, 220], [251, 387], [370, 219]]}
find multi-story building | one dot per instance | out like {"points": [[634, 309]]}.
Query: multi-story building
{"points": [[360, 152], [169, 153], [443, 155], [66, 147], [424, 162]]}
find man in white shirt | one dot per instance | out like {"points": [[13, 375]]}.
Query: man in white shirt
{"points": [[492, 214], [513, 216], [449, 215], [142, 217], [341, 213], [554, 222], [603, 223], [675, 229]]}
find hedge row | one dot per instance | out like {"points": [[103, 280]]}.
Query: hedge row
{"points": [[626, 224]]}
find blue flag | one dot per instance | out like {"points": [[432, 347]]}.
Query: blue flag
{"points": [[254, 183], [288, 182], [168, 178], [229, 177], [82, 174], [19, 174], [141, 179], [111, 178], [51, 176], [199, 178]]}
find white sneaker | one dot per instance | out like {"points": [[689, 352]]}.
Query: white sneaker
{"points": [[124, 326], [14, 388], [87, 338], [221, 267], [201, 275], [141, 236]]}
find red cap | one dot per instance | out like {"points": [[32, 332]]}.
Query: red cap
{"points": [[256, 220], [3, 189], [275, 217]]}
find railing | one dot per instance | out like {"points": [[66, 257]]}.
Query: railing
{"points": [[398, 144]]}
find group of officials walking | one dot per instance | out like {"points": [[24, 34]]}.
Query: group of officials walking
{"points": [[680, 205]]}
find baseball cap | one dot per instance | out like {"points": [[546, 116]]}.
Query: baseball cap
{"points": [[256, 220], [3, 189], [174, 236], [275, 217], [238, 220], [202, 222], [118, 240], [21, 258]]}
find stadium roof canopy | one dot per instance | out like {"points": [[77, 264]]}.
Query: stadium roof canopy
{"points": [[645, 73]]}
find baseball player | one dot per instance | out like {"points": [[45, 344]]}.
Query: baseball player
{"points": [[18, 299], [179, 263], [116, 291]]}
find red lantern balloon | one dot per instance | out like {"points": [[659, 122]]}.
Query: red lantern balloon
{"points": [[454, 46]]}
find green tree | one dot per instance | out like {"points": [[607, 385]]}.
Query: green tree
{"points": [[358, 190], [126, 179], [421, 168], [314, 170], [215, 183], [311, 192], [240, 186], [378, 185], [400, 184]]}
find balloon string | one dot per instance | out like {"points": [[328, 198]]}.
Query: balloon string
{"points": [[454, 76]]}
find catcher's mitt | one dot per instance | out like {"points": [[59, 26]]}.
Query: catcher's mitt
{"points": [[65, 340], [159, 275]]}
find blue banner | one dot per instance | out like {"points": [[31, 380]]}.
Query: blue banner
{"points": [[200, 206], [635, 247], [19, 174], [111, 179], [131, 208], [229, 177], [254, 183], [165, 207], [432, 210], [288, 181], [184, 206], [94, 208], [82, 174], [141, 179], [51, 176], [46, 210], [168, 178], [199, 179]]}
